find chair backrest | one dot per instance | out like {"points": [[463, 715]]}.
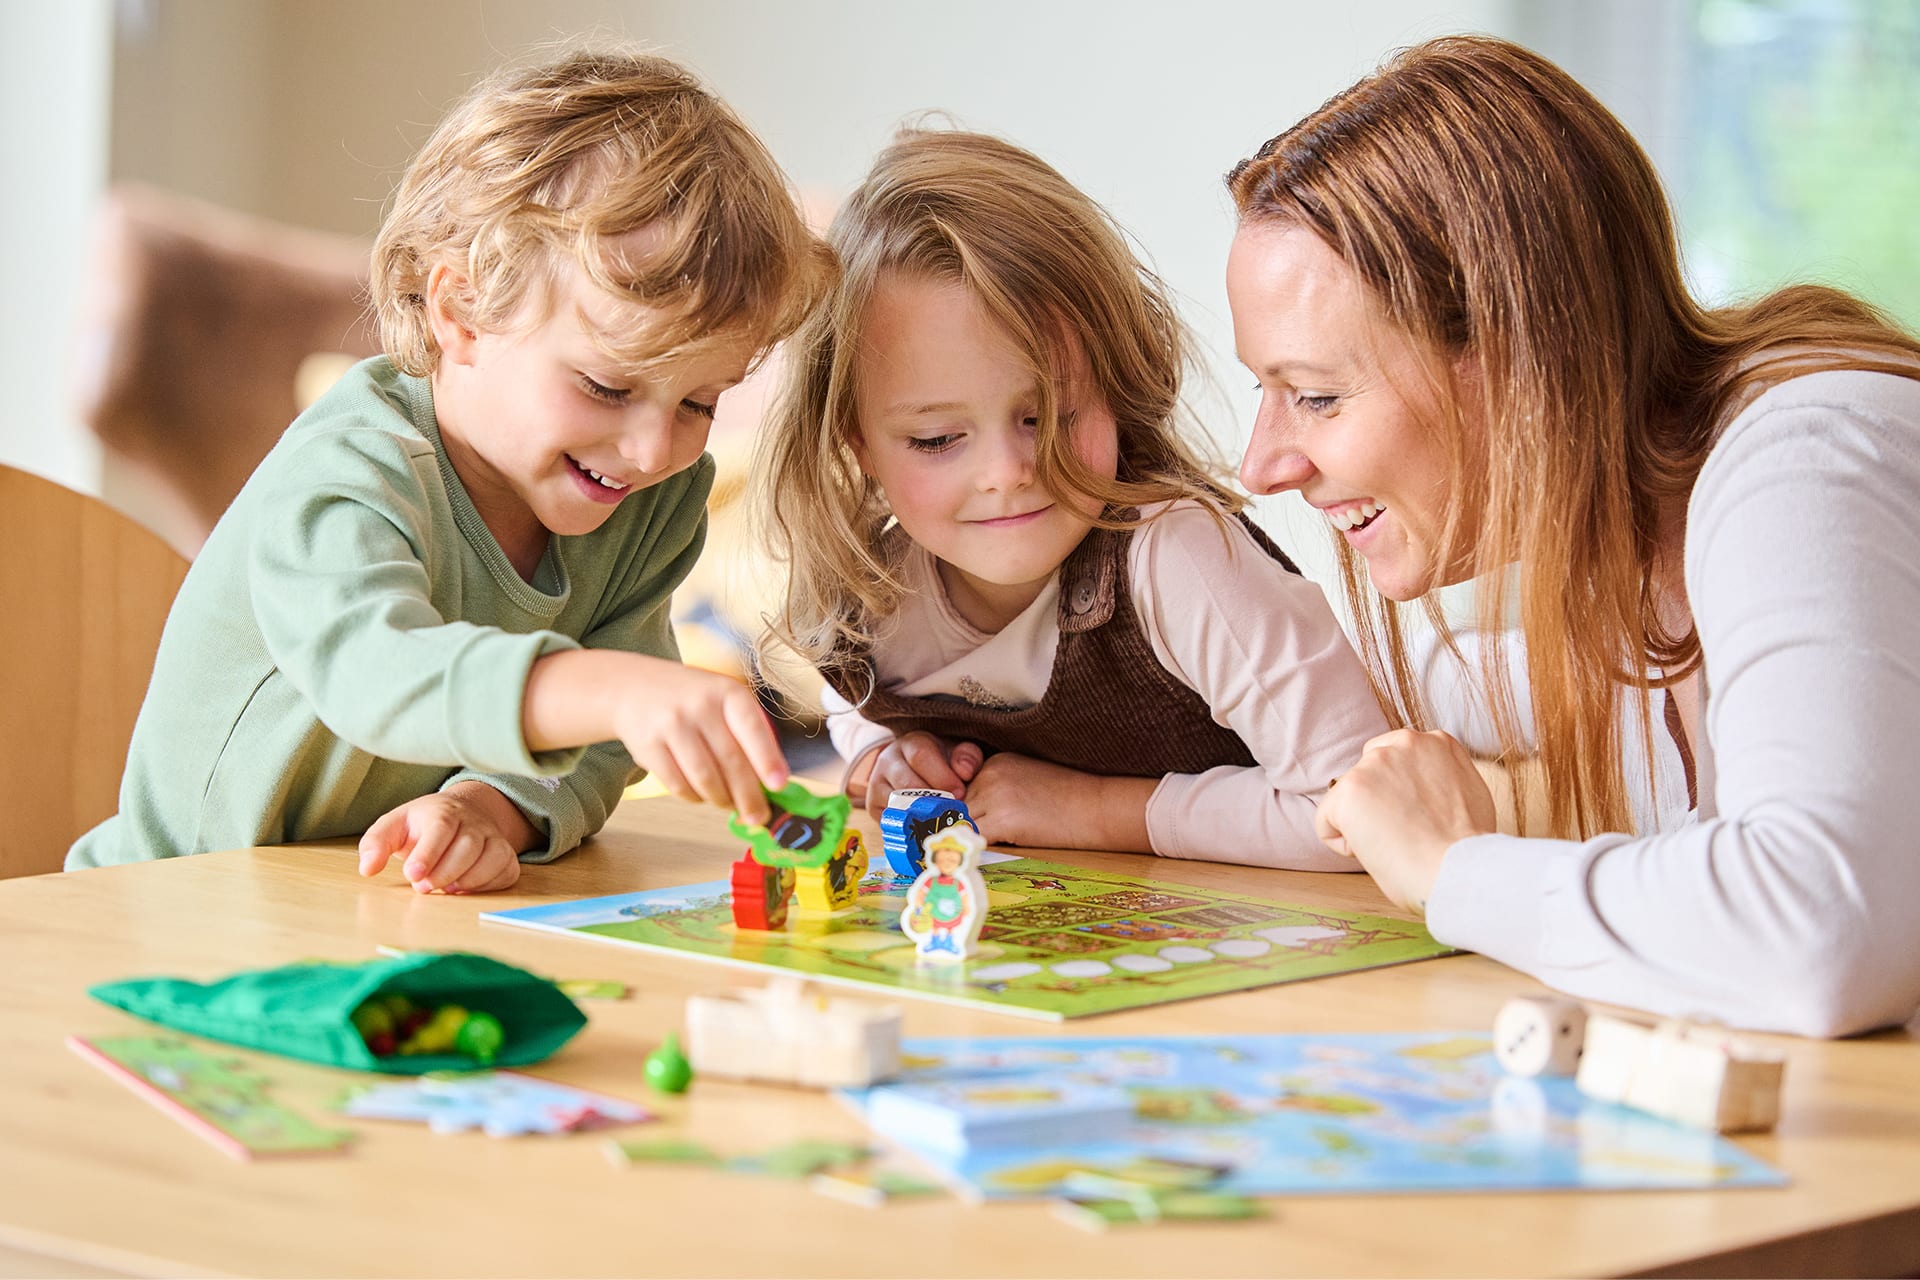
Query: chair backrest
{"points": [[84, 592]]}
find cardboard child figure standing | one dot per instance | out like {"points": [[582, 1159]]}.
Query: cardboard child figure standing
{"points": [[947, 903]]}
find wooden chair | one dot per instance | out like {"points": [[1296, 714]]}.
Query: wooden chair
{"points": [[84, 592]]}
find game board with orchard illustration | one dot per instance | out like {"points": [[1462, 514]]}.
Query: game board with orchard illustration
{"points": [[1059, 941]]}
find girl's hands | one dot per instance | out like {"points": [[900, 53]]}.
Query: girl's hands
{"points": [[921, 759], [1016, 799], [1410, 797], [466, 839]]}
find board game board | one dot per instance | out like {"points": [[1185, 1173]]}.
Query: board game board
{"points": [[1059, 942], [1427, 1111]]}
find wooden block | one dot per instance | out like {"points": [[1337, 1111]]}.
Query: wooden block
{"points": [[785, 1034], [1696, 1075], [836, 886], [1539, 1035]]}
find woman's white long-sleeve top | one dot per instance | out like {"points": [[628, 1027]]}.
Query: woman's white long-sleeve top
{"points": [[1791, 902]]}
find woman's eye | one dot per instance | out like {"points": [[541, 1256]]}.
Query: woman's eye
{"points": [[698, 409], [602, 392], [1316, 404], [931, 444]]}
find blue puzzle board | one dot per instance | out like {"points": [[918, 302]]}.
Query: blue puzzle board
{"points": [[1329, 1113]]}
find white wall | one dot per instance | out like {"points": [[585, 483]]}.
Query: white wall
{"points": [[305, 112], [1142, 103], [54, 67]]}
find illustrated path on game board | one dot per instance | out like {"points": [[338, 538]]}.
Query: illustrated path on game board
{"points": [[1059, 941]]}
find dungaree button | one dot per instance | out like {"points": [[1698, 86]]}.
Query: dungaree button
{"points": [[1082, 596]]}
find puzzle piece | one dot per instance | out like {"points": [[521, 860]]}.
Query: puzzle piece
{"points": [[502, 1104], [872, 1188], [218, 1097]]}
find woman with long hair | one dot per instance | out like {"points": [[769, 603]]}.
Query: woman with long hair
{"points": [[1458, 285]]}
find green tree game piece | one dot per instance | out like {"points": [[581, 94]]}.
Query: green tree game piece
{"points": [[803, 831]]}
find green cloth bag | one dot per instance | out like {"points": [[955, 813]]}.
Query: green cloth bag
{"points": [[305, 1010]]}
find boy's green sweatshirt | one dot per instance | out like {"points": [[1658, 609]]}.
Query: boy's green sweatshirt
{"points": [[352, 637]]}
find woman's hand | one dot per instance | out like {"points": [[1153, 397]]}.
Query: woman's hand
{"points": [[1019, 800], [1399, 810]]}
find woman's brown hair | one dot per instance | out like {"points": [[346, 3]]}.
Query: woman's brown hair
{"points": [[1495, 210]]}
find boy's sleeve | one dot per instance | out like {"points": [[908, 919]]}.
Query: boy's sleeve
{"points": [[573, 806], [339, 584]]}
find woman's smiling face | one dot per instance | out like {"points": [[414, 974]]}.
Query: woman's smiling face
{"points": [[1347, 416]]}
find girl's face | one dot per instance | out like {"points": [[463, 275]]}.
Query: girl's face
{"points": [[948, 412], [1346, 412]]}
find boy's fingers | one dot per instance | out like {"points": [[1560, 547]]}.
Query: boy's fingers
{"points": [[665, 770], [754, 732], [459, 859], [386, 837], [498, 868], [429, 843], [746, 797], [698, 767]]}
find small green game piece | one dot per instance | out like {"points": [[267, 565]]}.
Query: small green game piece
{"points": [[667, 1069], [481, 1037], [803, 829]]}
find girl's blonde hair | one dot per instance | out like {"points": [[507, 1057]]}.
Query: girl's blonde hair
{"points": [[535, 167], [1055, 272], [1494, 209]]}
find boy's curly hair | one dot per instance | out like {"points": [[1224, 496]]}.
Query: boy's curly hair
{"points": [[559, 160]]}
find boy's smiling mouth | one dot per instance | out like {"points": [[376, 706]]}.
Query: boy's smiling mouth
{"points": [[599, 487]]}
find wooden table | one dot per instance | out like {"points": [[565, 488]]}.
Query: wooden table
{"points": [[93, 1181]]}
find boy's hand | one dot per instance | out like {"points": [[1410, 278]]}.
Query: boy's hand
{"points": [[921, 759], [1016, 799], [703, 736], [466, 839]]}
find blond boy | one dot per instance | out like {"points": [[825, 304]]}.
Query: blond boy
{"points": [[437, 613]]}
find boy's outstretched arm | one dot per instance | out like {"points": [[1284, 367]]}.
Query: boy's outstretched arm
{"points": [[702, 735]]}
